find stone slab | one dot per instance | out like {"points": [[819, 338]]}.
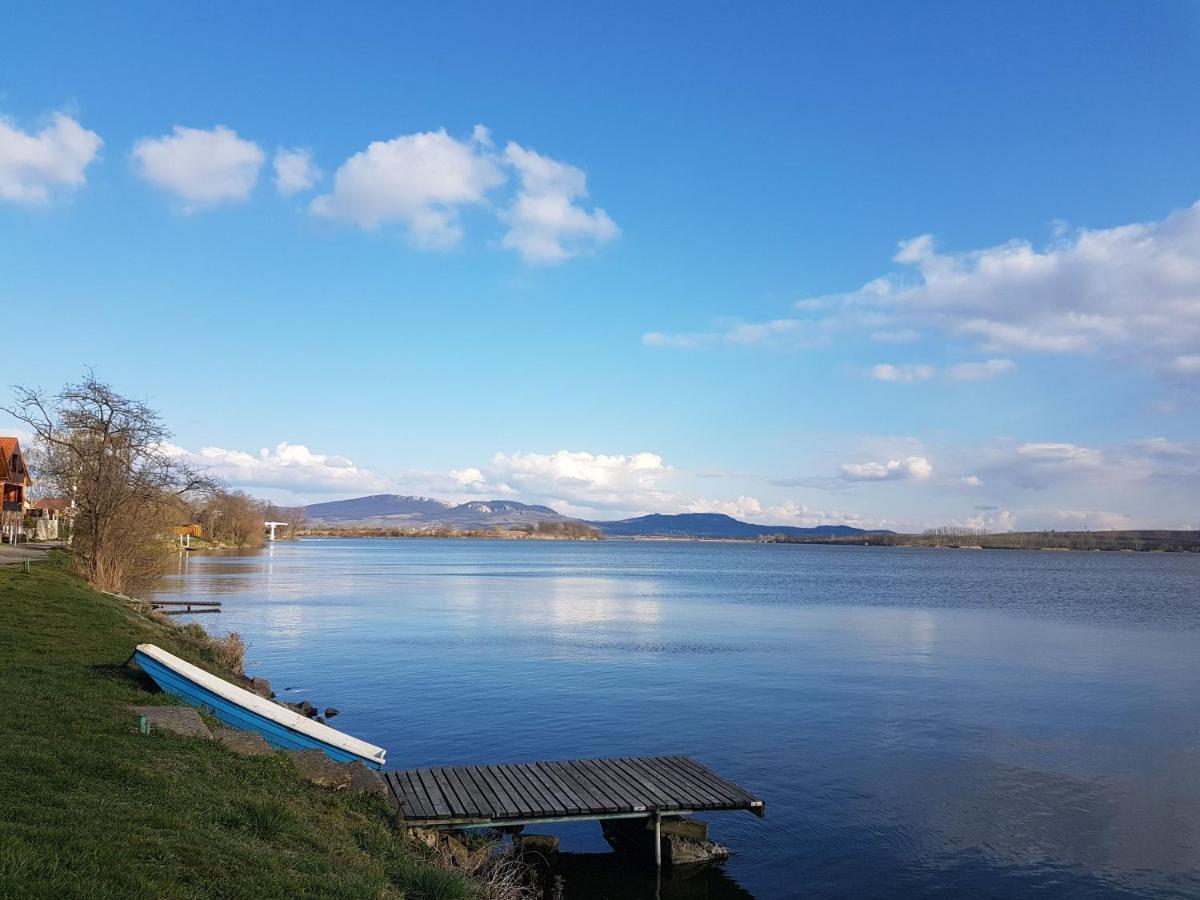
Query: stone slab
{"points": [[244, 743], [181, 720], [321, 770]]}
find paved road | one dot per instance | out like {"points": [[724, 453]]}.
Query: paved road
{"points": [[11, 554]]}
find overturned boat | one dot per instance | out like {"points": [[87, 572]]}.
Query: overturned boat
{"points": [[240, 708]]}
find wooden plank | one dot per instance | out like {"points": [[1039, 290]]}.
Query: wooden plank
{"points": [[678, 794], [392, 780], [594, 800], [687, 784], [512, 807], [656, 797], [538, 795], [485, 789], [472, 803], [628, 792], [458, 809], [645, 788], [434, 795], [714, 780], [571, 800], [516, 790], [717, 791], [668, 794], [415, 797], [586, 799], [409, 805], [554, 794], [603, 787]]}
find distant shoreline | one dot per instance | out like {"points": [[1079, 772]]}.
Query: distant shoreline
{"points": [[1109, 542]]}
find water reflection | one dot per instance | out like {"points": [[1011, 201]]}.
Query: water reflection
{"points": [[605, 876], [951, 724]]}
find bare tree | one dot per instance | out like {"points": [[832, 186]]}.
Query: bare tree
{"points": [[112, 456], [234, 518]]}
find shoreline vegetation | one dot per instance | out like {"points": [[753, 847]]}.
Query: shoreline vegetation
{"points": [[1161, 541], [538, 531], [104, 811]]}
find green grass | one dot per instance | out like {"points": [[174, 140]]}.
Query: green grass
{"points": [[90, 808]]}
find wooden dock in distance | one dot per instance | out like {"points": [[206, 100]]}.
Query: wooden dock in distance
{"points": [[569, 790]]}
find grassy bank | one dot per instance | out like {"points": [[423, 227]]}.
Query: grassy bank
{"points": [[90, 808]]}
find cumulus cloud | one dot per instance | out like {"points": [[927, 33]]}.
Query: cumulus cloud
{"points": [[992, 521], [294, 171], [290, 467], [1131, 288], [911, 468], [751, 509], [34, 166], [467, 477], [201, 167], [889, 372], [578, 478], [420, 181], [546, 223]]}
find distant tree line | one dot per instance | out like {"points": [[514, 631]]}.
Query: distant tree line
{"points": [[129, 487], [952, 536], [235, 519]]}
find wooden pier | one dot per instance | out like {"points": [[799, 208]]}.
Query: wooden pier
{"points": [[571, 790], [190, 607]]}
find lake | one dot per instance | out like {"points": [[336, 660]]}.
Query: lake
{"points": [[919, 722]]}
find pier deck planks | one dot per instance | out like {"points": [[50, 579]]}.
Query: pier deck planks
{"points": [[443, 796]]}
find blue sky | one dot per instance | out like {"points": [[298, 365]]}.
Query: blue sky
{"points": [[681, 265]]}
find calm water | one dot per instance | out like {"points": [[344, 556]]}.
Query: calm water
{"points": [[921, 723]]}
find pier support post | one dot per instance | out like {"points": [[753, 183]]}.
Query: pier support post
{"points": [[658, 840]]}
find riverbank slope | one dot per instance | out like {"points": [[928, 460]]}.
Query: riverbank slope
{"points": [[94, 809]]}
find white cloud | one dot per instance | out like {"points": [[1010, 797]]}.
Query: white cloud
{"points": [[201, 167], [911, 468], [466, 477], [546, 224], [889, 372], [32, 166], [1061, 454], [991, 521], [1127, 288], [1041, 465], [740, 333], [746, 508], [579, 478], [751, 509], [418, 180], [294, 171], [970, 481], [981, 371], [290, 467], [1091, 520]]}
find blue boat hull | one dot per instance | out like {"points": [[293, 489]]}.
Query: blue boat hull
{"points": [[235, 716]]}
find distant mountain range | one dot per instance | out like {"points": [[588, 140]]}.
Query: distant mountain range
{"points": [[711, 525], [396, 511]]}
